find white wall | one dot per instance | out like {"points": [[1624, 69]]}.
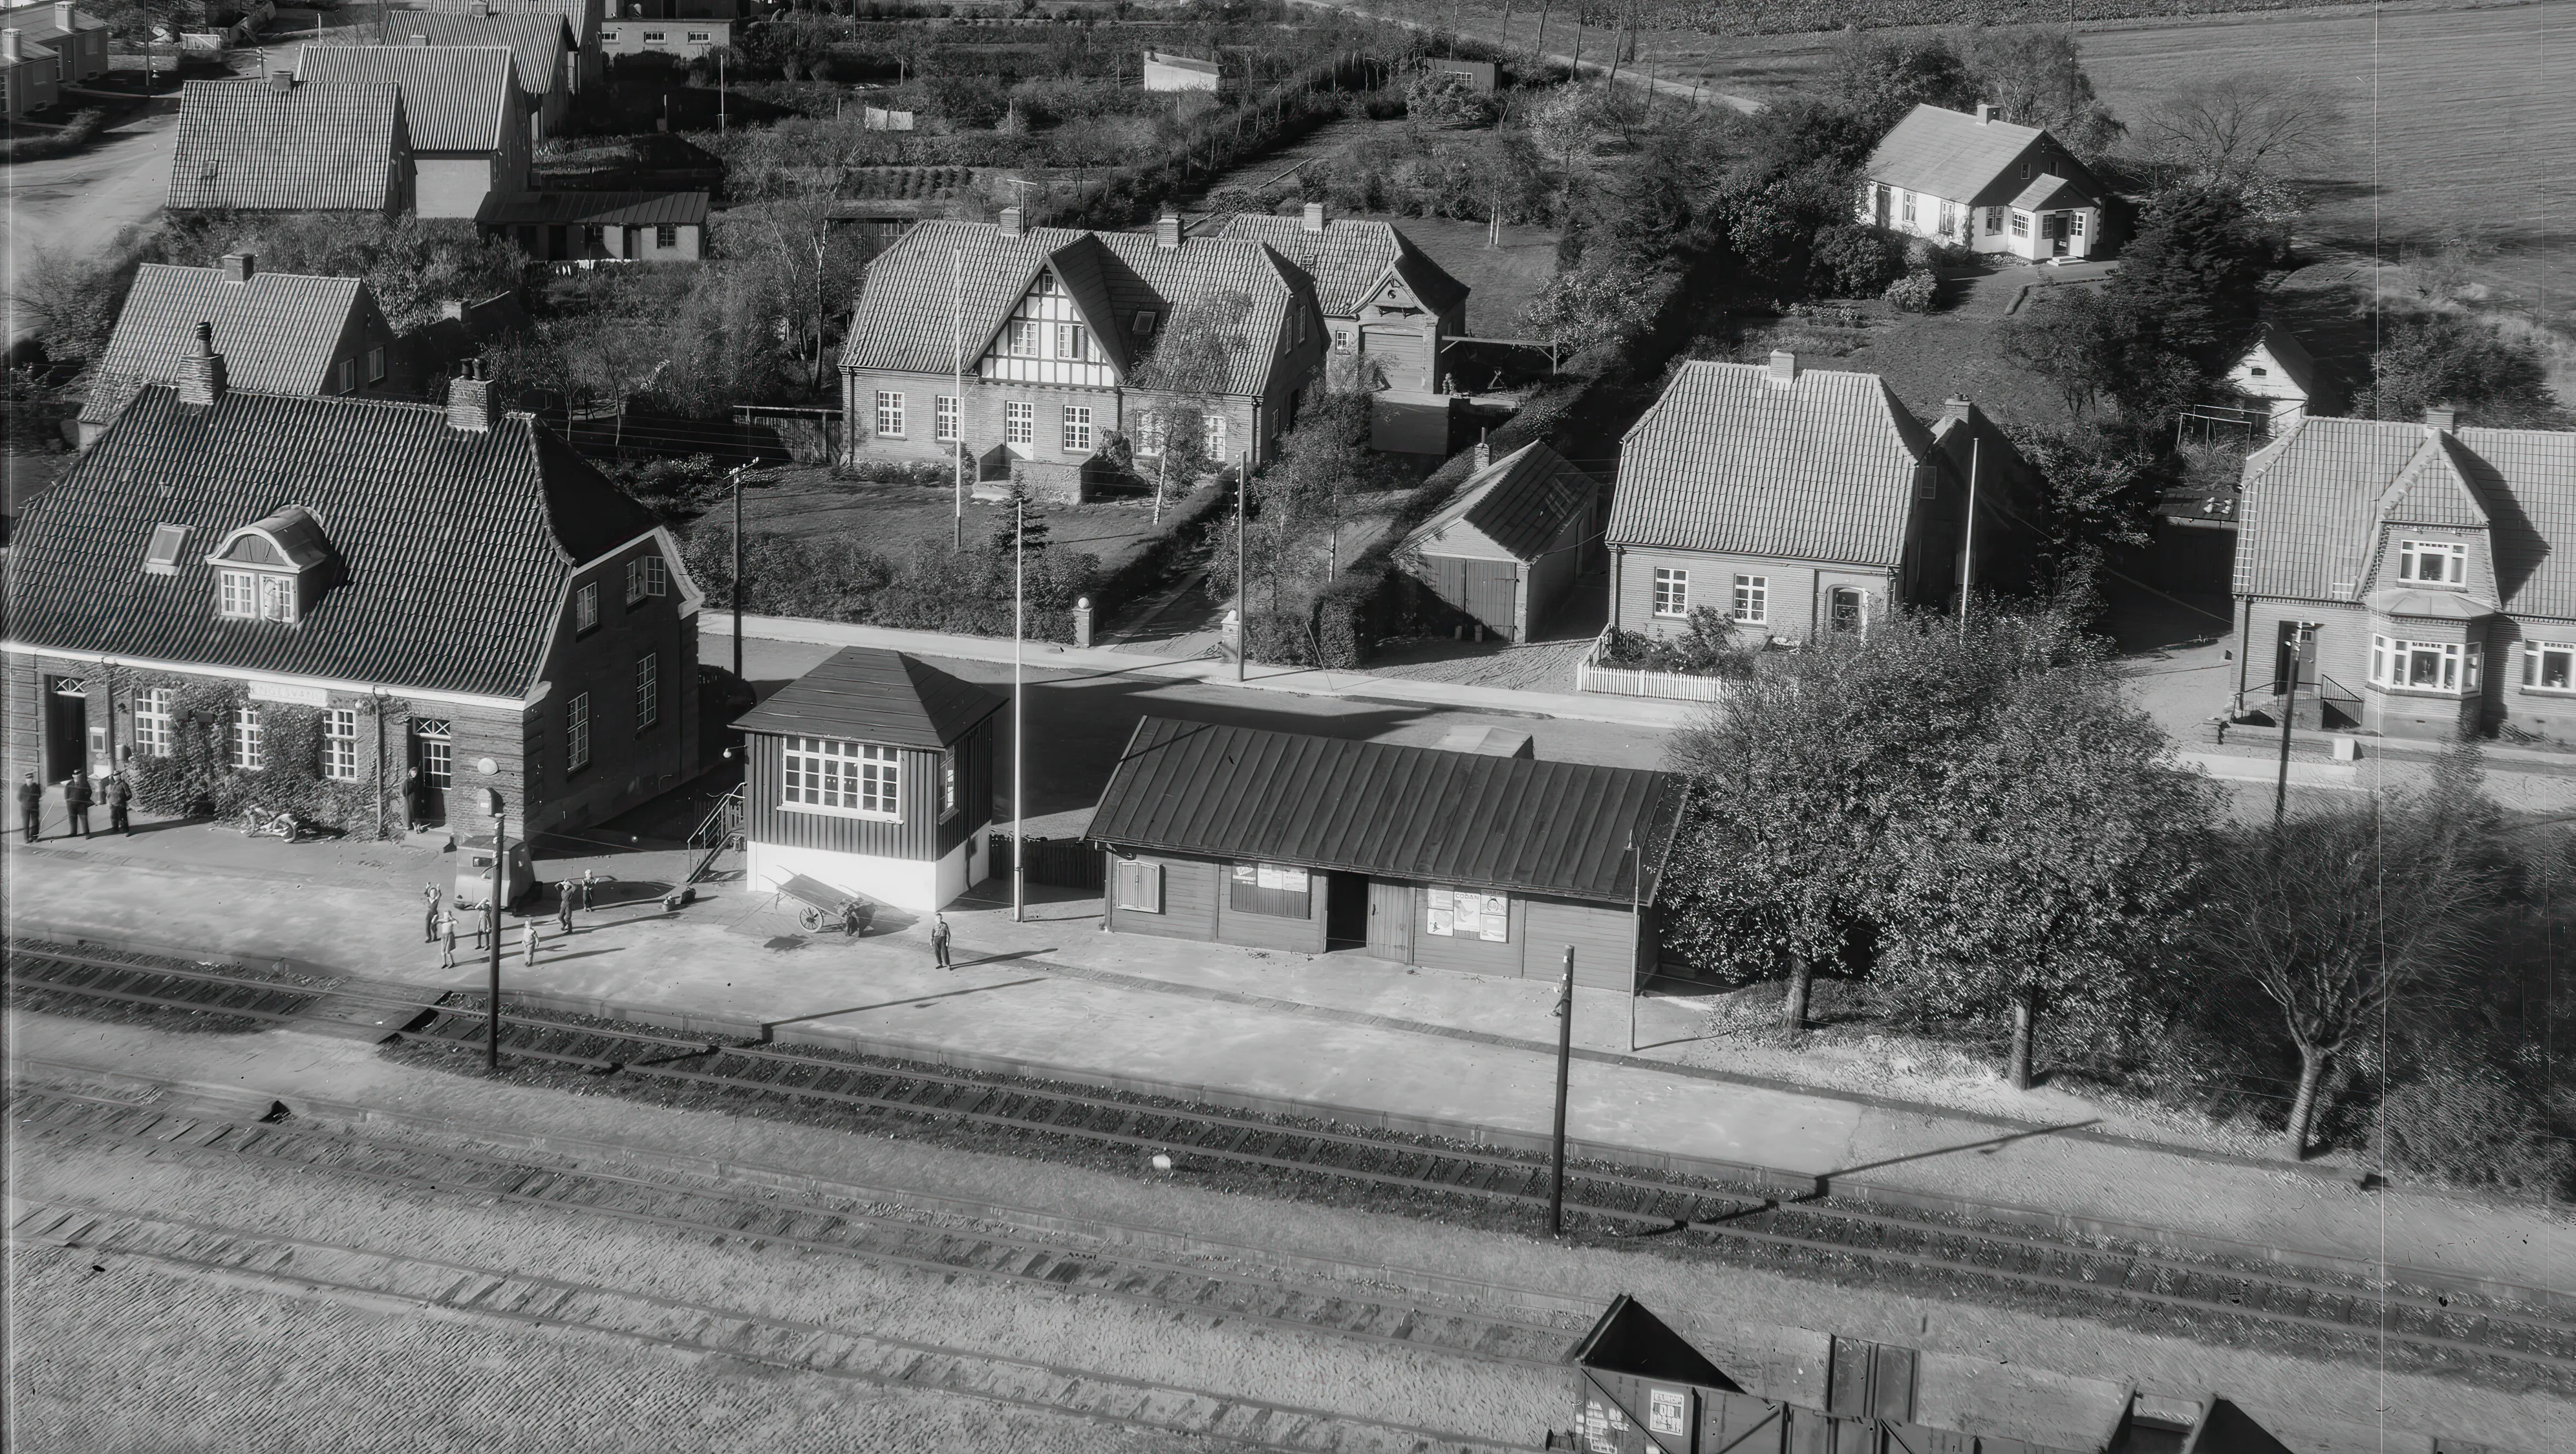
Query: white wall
{"points": [[900, 883], [450, 187]]}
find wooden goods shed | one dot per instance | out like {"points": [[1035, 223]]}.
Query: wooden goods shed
{"points": [[1450, 860], [1508, 548]]}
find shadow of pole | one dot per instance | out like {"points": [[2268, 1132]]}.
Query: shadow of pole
{"points": [[1984, 1148], [769, 1028]]}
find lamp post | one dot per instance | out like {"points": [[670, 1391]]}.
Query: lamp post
{"points": [[1019, 696], [500, 875], [1564, 1060]]}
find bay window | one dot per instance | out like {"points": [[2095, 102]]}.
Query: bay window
{"points": [[2427, 666]]}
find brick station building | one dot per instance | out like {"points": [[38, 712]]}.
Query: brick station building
{"points": [[294, 602]]}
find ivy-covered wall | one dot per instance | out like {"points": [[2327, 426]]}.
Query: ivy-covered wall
{"points": [[197, 778]]}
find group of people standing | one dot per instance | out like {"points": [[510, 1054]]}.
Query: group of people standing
{"points": [[80, 794], [441, 922]]}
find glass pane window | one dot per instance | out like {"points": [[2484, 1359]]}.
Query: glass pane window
{"points": [[577, 732], [1844, 606], [1672, 592], [2547, 665], [237, 593], [152, 721], [1753, 599], [648, 690], [855, 777], [1019, 423], [585, 607], [2021, 224], [2432, 562], [889, 414], [249, 749], [948, 781], [944, 426], [1214, 436], [2424, 666], [1072, 341], [340, 744], [277, 598], [1140, 886], [1077, 429], [1022, 339]]}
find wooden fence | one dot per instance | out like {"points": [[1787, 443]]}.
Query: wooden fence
{"points": [[1626, 681], [1066, 863]]}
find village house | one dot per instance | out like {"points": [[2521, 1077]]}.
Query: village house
{"points": [[469, 123], [279, 333], [871, 774], [366, 611], [1793, 501], [44, 48], [582, 17], [681, 29], [2427, 567], [1383, 299], [1051, 324], [31, 75], [1487, 862], [1507, 548], [545, 59], [2278, 377], [1982, 183], [579, 226], [283, 145]]}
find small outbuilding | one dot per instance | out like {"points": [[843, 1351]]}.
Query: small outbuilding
{"points": [[1477, 861], [2278, 376], [1165, 71], [874, 774], [1508, 548]]}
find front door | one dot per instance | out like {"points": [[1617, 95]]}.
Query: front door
{"points": [[2057, 234], [66, 726], [433, 756], [2286, 660], [1879, 197], [1390, 921]]}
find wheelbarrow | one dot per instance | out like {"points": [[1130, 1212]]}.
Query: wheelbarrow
{"points": [[821, 906]]}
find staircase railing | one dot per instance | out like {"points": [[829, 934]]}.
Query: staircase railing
{"points": [[719, 830]]}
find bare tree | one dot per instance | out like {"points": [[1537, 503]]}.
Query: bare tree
{"points": [[2243, 126], [1191, 362]]}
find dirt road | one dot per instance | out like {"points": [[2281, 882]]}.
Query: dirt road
{"points": [[76, 204]]}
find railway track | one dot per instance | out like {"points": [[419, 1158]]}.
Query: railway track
{"points": [[2441, 1331]]}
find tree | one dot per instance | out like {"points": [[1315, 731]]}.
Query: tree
{"points": [[2193, 276], [805, 266], [2453, 359], [2101, 487], [2035, 77], [2242, 127], [1191, 361], [1879, 80], [2341, 917], [1601, 297]]}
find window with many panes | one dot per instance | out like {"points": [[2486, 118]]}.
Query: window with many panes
{"points": [[1214, 436], [944, 423], [249, 740], [577, 732], [2425, 666], [648, 690], [2549, 666], [1077, 429], [1672, 592], [1753, 599], [859, 778], [1905, 204], [1994, 219], [585, 607], [647, 575], [340, 744], [2021, 224], [1019, 423], [2432, 562], [237, 593], [1073, 341], [152, 721], [890, 414]]}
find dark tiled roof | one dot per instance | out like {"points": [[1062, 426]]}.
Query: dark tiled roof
{"points": [[1461, 819], [1519, 502], [456, 546], [1350, 259], [314, 148], [583, 16], [1181, 62], [1952, 155], [596, 209], [278, 332], [457, 97], [901, 322], [2315, 500], [867, 695], [537, 43], [1732, 460]]}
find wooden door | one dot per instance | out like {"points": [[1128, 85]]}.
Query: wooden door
{"points": [[1492, 595], [66, 727], [1390, 921]]}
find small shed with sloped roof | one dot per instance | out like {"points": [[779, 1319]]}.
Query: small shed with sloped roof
{"points": [[873, 773], [1508, 549]]}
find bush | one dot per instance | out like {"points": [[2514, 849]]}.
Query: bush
{"points": [[1707, 646], [1446, 98], [924, 472], [839, 579], [37, 145], [1855, 261], [1915, 292]]}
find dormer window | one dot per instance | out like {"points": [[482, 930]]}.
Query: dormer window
{"points": [[1146, 318], [273, 570], [2432, 562]]}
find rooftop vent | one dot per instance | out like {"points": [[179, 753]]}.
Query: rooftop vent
{"points": [[1012, 224]]}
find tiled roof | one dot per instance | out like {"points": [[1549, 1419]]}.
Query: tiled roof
{"points": [[1460, 819], [2315, 499], [245, 145], [1181, 62], [597, 209], [277, 331], [582, 15], [1733, 460], [866, 694], [1519, 502], [2047, 192], [455, 546], [1349, 259], [457, 97], [33, 50], [1954, 156], [537, 43], [902, 319]]}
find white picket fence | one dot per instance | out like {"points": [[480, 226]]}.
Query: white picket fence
{"points": [[1625, 681]]}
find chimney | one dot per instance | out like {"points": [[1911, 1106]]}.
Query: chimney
{"points": [[1315, 217], [201, 374], [1484, 452], [238, 266], [281, 81], [469, 401], [1955, 407], [2441, 417], [1784, 366], [1167, 232], [452, 309], [63, 16], [1985, 113], [9, 45], [419, 39], [1011, 224]]}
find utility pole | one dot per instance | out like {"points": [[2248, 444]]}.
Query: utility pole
{"points": [[1564, 1059], [500, 876], [2300, 647], [737, 563], [1968, 543], [720, 87], [957, 367], [1242, 581], [1019, 697], [1636, 873]]}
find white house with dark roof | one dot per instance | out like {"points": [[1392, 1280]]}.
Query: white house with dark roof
{"points": [[1383, 298], [1794, 501], [278, 144], [362, 610], [1508, 547], [1050, 325], [1166, 71], [1980, 182], [545, 59], [2432, 568], [468, 118], [279, 333], [2278, 376]]}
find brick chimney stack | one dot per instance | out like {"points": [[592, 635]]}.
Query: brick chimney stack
{"points": [[1315, 217], [63, 12], [469, 402], [1167, 232], [1014, 223], [1484, 452], [1985, 113], [1784, 366], [281, 81], [9, 45], [201, 374], [238, 266]]}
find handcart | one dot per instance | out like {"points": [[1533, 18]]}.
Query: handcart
{"points": [[825, 907]]}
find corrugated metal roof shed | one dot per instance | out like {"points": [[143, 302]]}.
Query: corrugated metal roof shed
{"points": [[1520, 503], [866, 694], [1463, 819]]}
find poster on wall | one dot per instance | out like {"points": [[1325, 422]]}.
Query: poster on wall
{"points": [[1437, 901], [1497, 917]]}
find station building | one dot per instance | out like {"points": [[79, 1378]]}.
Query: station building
{"points": [[1466, 860]]}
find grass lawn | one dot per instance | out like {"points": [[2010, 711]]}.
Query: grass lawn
{"points": [[1925, 358], [805, 500]]}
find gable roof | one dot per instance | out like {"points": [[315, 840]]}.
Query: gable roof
{"points": [[583, 16], [2289, 355], [866, 694], [457, 97], [596, 209], [1463, 819], [536, 42], [278, 332], [421, 516], [30, 51], [1954, 156], [1519, 503], [1732, 459], [901, 322], [1350, 259], [1180, 62], [247, 145], [2313, 503]]}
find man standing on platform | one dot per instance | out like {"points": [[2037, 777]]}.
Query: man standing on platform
{"points": [[429, 926], [76, 801], [939, 939], [120, 798], [31, 807]]}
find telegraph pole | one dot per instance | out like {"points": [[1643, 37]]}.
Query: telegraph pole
{"points": [[1564, 1060], [1968, 542], [2289, 709], [737, 568], [1242, 582], [1019, 697], [957, 367], [500, 876]]}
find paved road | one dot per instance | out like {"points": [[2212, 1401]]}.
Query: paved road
{"points": [[75, 205]]}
